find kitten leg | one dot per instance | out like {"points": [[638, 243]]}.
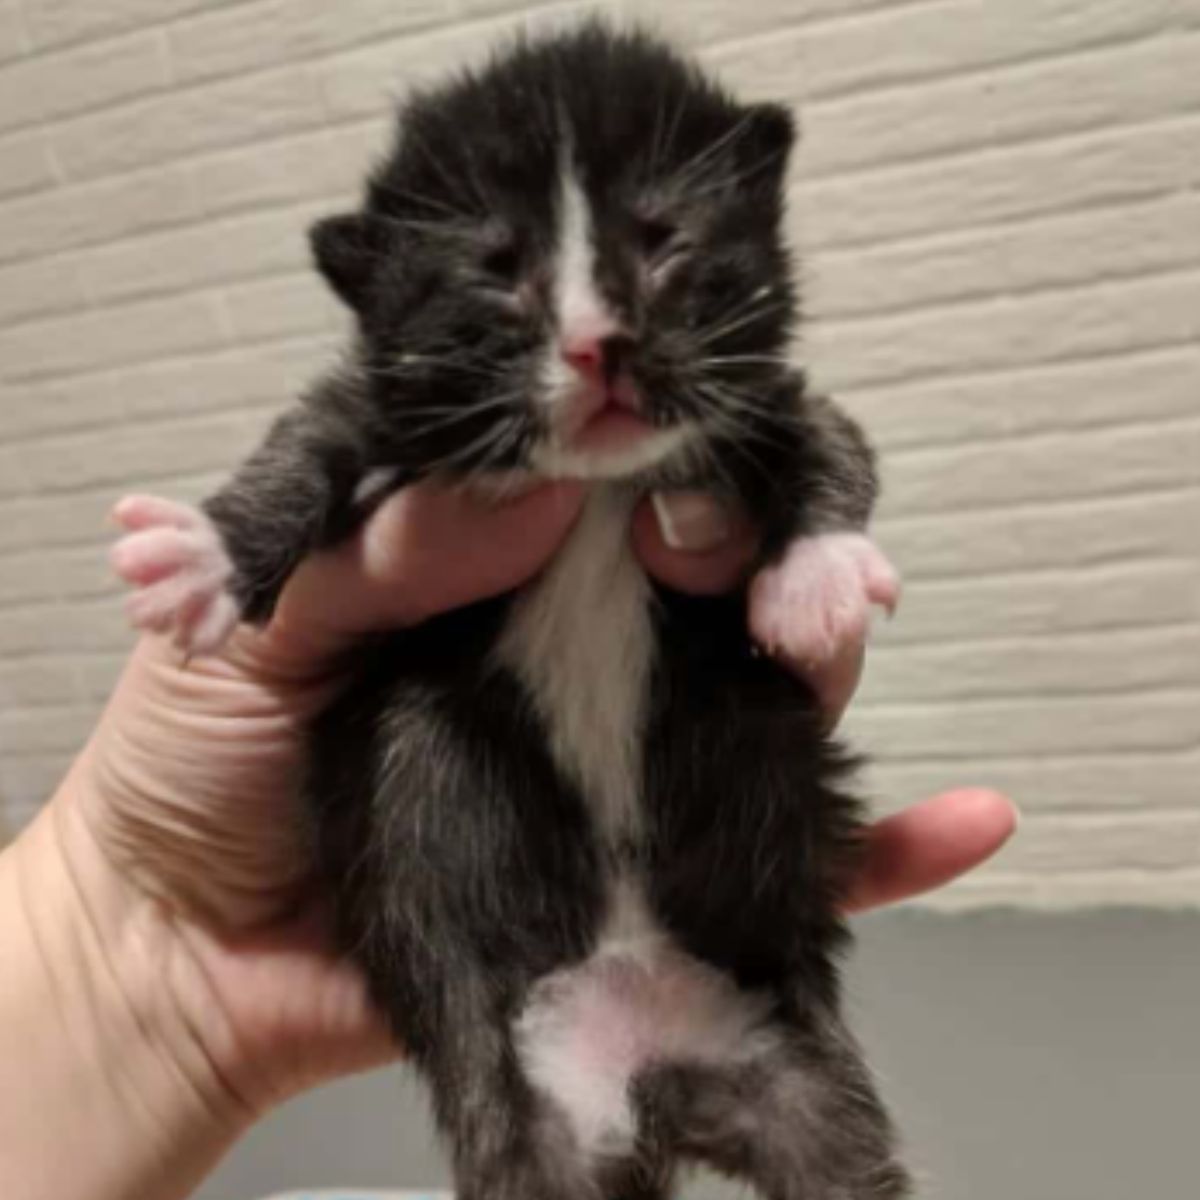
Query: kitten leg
{"points": [[173, 554], [801, 1122], [812, 496], [813, 607], [547, 1166], [464, 872], [200, 572], [507, 1142], [293, 495]]}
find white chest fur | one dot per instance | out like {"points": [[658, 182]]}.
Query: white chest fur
{"points": [[582, 642]]}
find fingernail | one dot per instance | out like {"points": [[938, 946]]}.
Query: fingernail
{"points": [[691, 520]]}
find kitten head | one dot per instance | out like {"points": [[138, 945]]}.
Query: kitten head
{"points": [[570, 262]]}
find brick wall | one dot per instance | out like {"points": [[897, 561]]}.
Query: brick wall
{"points": [[1000, 210]]}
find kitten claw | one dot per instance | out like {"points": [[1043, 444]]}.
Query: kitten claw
{"points": [[812, 609], [173, 555]]}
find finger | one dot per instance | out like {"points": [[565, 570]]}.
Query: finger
{"points": [[692, 543], [437, 548], [428, 549], [930, 844], [882, 582]]}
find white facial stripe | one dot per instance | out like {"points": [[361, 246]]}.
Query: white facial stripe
{"points": [[582, 313]]}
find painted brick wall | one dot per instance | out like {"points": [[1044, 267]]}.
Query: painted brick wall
{"points": [[1000, 207]]}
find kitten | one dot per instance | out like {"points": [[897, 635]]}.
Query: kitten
{"points": [[587, 842]]}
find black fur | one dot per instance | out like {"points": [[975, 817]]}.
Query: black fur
{"points": [[466, 865]]}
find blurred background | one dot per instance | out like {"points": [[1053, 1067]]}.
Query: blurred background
{"points": [[998, 211]]}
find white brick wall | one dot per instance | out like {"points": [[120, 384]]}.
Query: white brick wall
{"points": [[1000, 208]]}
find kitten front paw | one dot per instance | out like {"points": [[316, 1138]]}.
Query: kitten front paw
{"points": [[813, 607], [173, 554]]}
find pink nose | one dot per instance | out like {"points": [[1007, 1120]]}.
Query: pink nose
{"points": [[587, 355], [599, 358]]}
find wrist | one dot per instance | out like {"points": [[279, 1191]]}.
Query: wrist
{"points": [[91, 1020]]}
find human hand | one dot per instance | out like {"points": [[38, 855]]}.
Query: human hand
{"points": [[194, 772], [171, 874], [192, 777]]}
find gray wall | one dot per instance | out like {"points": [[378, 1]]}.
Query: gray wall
{"points": [[1028, 1058]]}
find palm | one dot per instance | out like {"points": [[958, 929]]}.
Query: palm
{"points": [[197, 805], [283, 992]]}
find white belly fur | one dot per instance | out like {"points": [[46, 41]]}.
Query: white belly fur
{"points": [[581, 639]]}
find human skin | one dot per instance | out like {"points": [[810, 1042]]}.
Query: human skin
{"points": [[168, 977]]}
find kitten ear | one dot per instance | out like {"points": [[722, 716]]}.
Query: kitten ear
{"points": [[346, 249], [768, 142]]}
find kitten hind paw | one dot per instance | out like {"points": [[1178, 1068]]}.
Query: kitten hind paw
{"points": [[173, 555]]}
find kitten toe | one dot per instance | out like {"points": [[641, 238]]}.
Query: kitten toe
{"points": [[149, 512], [815, 603], [175, 558], [150, 555], [204, 618], [215, 624], [197, 611], [150, 610]]}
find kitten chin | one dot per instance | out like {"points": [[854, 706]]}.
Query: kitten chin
{"points": [[651, 453]]}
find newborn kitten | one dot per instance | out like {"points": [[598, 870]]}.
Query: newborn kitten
{"points": [[587, 842]]}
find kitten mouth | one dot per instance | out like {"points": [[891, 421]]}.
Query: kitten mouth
{"points": [[604, 430], [612, 428], [607, 418]]}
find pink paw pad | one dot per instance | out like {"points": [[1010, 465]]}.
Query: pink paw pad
{"points": [[173, 555], [816, 603]]}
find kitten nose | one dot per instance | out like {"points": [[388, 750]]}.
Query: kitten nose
{"points": [[595, 358]]}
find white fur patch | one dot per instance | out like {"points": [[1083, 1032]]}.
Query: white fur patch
{"points": [[561, 462], [588, 1031], [580, 639], [582, 313], [581, 310]]}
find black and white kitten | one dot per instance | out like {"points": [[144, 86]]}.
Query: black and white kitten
{"points": [[587, 843]]}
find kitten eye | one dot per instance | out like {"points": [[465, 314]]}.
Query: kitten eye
{"points": [[656, 236], [502, 263]]}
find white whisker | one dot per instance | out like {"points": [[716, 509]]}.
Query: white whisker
{"points": [[682, 177], [706, 336]]}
